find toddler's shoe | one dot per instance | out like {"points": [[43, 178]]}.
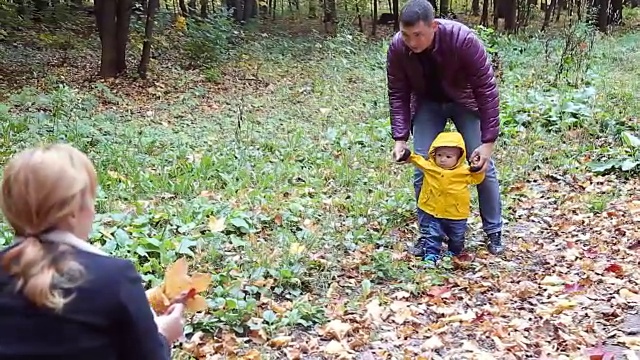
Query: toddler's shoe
{"points": [[430, 260], [448, 254]]}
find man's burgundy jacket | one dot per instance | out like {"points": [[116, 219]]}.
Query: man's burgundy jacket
{"points": [[466, 73]]}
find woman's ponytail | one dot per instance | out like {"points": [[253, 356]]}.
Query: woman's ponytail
{"points": [[41, 271]]}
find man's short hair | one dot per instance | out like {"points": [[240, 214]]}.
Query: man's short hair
{"points": [[415, 11]]}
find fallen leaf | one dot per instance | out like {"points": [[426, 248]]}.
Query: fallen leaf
{"points": [[337, 348], [432, 343], [335, 329], [279, 342], [467, 316], [632, 342], [258, 336], [216, 225], [438, 291], [552, 280], [374, 311], [296, 248], [615, 268], [628, 295], [252, 354], [293, 353]]}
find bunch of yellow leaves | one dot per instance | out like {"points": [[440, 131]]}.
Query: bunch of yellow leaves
{"points": [[176, 283], [181, 23]]}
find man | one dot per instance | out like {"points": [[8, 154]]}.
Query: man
{"points": [[439, 69]]}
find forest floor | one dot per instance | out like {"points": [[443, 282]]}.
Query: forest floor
{"points": [[270, 169]]}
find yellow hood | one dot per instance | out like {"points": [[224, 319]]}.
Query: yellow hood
{"points": [[449, 139]]}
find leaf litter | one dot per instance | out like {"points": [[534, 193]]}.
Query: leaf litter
{"points": [[563, 291]]}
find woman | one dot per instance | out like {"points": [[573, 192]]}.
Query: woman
{"points": [[61, 297]]}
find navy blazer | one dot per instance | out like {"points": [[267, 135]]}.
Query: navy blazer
{"points": [[108, 319]]}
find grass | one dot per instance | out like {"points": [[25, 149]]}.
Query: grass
{"points": [[291, 146]]}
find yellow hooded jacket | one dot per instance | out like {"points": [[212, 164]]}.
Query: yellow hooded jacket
{"points": [[445, 192]]}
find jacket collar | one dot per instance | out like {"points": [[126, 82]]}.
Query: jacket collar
{"points": [[67, 238]]}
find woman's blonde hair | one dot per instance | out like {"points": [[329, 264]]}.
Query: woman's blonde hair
{"points": [[41, 187]]}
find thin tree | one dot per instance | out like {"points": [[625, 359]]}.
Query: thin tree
{"points": [[148, 38]]}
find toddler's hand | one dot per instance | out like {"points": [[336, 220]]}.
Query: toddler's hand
{"points": [[404, 156]]}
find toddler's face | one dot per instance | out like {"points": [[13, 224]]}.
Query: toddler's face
{"points": [[447, 157]]}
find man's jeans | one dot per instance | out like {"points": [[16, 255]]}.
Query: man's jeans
{"points": [[428, 122], [432, 231]]}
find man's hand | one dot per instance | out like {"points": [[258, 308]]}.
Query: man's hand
{"points": [[398, 150], [481, 155]]}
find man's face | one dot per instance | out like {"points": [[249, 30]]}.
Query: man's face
{"points": [[419, 36]]}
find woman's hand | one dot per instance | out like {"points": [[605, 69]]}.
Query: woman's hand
{"points": [[171, 324]]}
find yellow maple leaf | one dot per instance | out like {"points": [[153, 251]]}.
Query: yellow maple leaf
{"points": [[177, 281]]}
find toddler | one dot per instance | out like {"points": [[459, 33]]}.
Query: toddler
{"points": [[445, 195]]}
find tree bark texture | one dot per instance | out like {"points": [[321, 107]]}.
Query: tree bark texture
{"points": [[112, 19], [148, 38]]}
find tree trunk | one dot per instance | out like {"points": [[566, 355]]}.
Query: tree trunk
{"points": [[475, 7], [484, 19], [313, 9], [510, 15], [444, 7], [40, 6], [105, 12], [112, 19], [122, 37], [615, 13], [233, 7], [192, 7], [254, 9], [561, 5], [21, 7], [240, 10], [396, 12], [496, 12], [547, 14], [360, 24], [152, 7], [603, 15], [374, 23], [329, 16], [203, 9], [249, 6], [579, 10], [183, 8]]}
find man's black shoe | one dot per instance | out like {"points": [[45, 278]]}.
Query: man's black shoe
{"points": [[495, 245]]}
